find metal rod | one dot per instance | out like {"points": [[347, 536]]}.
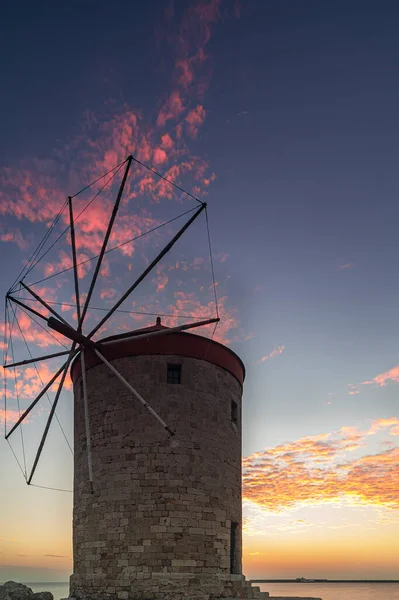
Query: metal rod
{"points": [[69, 332], [32, 310], [160, 332], [43, 302], [82, 358], [44, 390], [147, 270], [51, 415], [133, 391], [105, 242], [75, 268], [32, 360], [87, 419]]}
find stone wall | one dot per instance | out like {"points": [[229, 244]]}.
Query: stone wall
{"points": [[158, 523]]}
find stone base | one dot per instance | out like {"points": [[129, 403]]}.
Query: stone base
{"points": [[166, 586], [171, 586]]}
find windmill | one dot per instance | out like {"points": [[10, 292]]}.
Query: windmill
{"points": [[75, 337]]}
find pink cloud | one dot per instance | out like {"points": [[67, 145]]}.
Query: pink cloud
{"points": [[346, 266], [172, 109], [187, 68], [188, 303], [194, 120], [383, 378], [15, 236], [107, 293], [167, 142], [159, 156], [276, 352]]}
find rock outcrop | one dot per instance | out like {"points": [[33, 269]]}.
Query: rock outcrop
{"points": [[11, 590]]}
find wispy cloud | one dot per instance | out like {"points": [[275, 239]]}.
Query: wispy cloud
{"points": [[55, 556], [276, 352], [346, 266], [383, 378], [15, 236]]}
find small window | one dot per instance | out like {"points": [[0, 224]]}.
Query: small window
{"points": [[234, 412], [234, 547], [174, 372]]}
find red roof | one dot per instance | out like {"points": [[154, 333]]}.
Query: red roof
{"points": [[180, 343]]}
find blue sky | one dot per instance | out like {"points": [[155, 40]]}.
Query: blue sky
{"points": [[287, 113]]}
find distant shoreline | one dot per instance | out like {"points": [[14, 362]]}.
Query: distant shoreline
{"points": [[324, 580]]}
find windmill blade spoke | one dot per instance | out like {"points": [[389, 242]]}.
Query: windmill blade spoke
{"points": [[43, 302], [74, 260], [38, 359], [29, 308], [105, 242], [147, 270], [44, 390], [165, 331], [134, 392], [51, 415]]}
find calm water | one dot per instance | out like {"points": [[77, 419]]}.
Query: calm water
{"points": [[59, 590], [325, 591], [334, 591]]}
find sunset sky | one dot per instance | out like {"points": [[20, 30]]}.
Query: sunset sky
{"points": [[282, 116]]}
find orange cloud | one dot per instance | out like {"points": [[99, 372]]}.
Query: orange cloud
{"points": [[12, 416], [315, 470], [272, 354]]}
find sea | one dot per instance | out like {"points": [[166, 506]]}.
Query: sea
{"points": [[325, 591], [58, 589], [334, 591]]}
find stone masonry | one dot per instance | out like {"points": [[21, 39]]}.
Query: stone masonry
{"points": [[164, 520]]}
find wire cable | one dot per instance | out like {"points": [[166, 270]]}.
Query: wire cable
{"points": [[98, 178], [5, 359], [211, 259], [45, 487], [41, 244], [55, 221], [129, 312], [16, 458], [42, 326], [41, 381], [167, 180], [19, 407], [76, 218], [83, 262]]}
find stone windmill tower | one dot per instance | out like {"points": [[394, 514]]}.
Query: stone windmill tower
{"points": [[157, 483], [165, 516]]}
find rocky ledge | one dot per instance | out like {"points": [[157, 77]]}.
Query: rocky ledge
{"points": [[18, 591]]}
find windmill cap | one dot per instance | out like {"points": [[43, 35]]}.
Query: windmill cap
{"points": [[178, 343]]}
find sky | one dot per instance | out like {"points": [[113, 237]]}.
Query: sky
{"points": [[282, 116]]}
